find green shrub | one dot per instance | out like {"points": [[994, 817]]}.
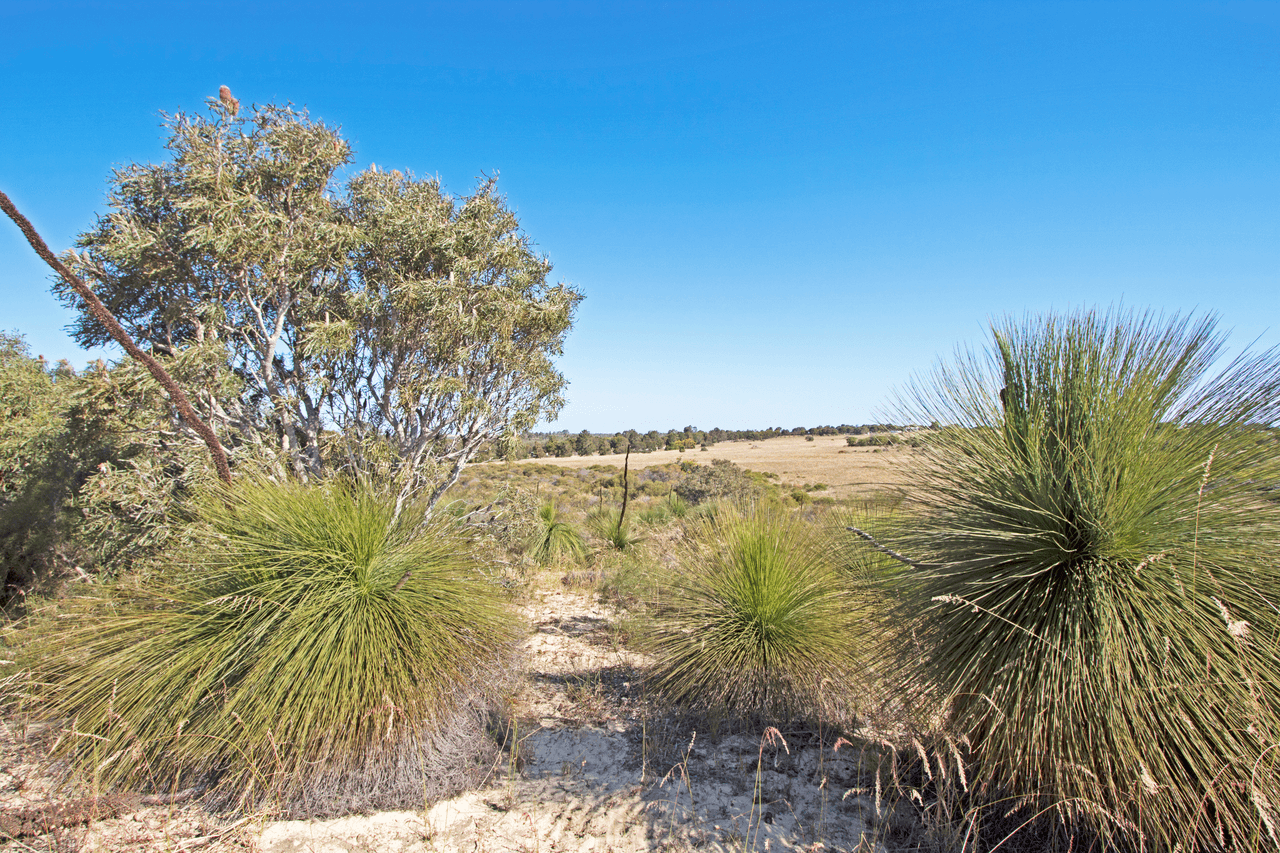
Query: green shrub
{"points": [[720, 480], [653, 488], [315, 655], [39, 468], [877, 441], [756, 620], [554, 540], [674, 507], [1099, 579]]}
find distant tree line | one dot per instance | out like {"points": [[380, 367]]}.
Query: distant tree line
{"points": [[537, 445]]}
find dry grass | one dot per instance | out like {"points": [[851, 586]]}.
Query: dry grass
{"points": [[849, 472]]}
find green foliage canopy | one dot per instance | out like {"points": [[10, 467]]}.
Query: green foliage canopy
{"points": [[379, 326], [33, 484], [52, 440]]}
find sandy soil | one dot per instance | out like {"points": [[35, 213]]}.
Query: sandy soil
{"points": [[594, 774], [596, 769], [847, 471]]}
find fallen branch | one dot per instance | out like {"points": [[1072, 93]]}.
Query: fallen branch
{"points": [[888, 551]]}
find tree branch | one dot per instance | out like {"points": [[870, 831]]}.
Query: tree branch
{"points": [[113, 327]]}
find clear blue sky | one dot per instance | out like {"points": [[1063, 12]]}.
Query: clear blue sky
{"points": [[777, 211]]}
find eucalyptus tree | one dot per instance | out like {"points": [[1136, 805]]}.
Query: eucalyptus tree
{"points": [[447, 331], [377, 325]]}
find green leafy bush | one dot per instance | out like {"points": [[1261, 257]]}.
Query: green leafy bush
{"points": [[756, 621], [1098, 574], [39, 467], [720, 480], [801, 497], [316, 655]]}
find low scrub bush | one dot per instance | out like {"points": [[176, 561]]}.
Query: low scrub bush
{"points": [[1097, 569], [756, 621], [878, 441], [721, 480], [315, 655], [674, 507], [554, 540]]}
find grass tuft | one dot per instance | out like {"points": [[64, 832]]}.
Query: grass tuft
{"points": [[316, 655], [612, 529], [756, 621], [554, 540]]}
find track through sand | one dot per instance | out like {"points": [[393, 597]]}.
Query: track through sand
{"points": [[592, 775]]}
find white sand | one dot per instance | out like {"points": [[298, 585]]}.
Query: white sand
{"points": [[581, 786]]}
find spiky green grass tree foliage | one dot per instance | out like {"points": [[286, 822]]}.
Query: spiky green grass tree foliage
{"points": [[673, 507], [756, 620], [612, 529], [1097, 582], [555, 540], [316, 655]]}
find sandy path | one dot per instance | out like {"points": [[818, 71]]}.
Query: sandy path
{"points": [[588, 780]]}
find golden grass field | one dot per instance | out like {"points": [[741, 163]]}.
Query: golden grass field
{"points": [[847, 471]]}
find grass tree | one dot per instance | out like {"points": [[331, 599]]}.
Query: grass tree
{"points": [[555, 540], [1096, 587], [317, 655], [612, 528], [757, 621]]}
